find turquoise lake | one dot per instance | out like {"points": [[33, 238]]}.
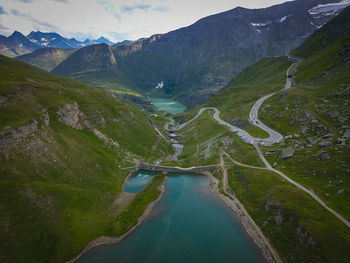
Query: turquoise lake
{"points": [[138, 181], [168, 105], [188, 224]]}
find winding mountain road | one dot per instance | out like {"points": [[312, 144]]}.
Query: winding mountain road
{"points": [[274, 137]]}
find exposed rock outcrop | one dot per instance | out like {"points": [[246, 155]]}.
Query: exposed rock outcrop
{"points": [[12, 136], [105, 138], [324, 144], [273, 203], [305, 238], [69, 114], [243, 124], [287, 153], [334, 114]]}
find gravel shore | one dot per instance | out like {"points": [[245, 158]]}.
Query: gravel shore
{"points": [[248, 223]]}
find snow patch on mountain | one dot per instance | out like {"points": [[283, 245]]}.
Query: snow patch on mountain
{"points": [[315, 25], [258, 24], [160, 85], [329, 9], [283, 19]]}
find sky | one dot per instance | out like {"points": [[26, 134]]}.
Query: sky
{"points": [[116, 20]]}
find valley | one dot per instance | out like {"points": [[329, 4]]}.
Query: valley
{"points": [[225, 140]]}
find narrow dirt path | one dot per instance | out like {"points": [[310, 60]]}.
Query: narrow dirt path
{"points": [[272, 250], [301, 187], [244, 165]]}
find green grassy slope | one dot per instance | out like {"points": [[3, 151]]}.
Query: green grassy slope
{"points": [[129, 217], [316, 111], [238, 97], [46, 58], [58, 183], [204, 138], [300, 229], [97, 66]]}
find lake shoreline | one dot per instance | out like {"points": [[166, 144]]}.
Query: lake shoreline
{"points": [[247, 222], [106, 240], [268, 251], [169, 105]]}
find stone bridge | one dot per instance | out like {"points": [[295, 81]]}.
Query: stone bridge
{"points": [[170, 169]]}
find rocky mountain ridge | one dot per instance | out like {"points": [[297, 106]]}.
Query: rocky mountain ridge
{"points": [[19, 44], [195, 62]]}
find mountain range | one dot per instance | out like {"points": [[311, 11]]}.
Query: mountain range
{"points": [[19, 44], [195, 62], [47, 58]]}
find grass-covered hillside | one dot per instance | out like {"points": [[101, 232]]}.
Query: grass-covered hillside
{"points": [[314, 115], [238, 97], [63, 145], [47, 58], [97, 66]]}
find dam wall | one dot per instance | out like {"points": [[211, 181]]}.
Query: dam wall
{"points": [[169, 169]]}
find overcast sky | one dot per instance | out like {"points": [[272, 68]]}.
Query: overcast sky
{"points": [[115, 19]]}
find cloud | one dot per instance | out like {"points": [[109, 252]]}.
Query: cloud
{"points": [[37, 25], [130, 9], [2, 11], [26, 1], [2, 27], [117, 20], [62, 1], [17, 13], [110, 8], [119, 36], [161, 9]]}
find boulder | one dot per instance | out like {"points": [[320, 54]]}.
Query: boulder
{"points": [[324, 156], [273, 152], [334, 114], [279, 218], [238, 122], [346, 135], [324, 144], [287, 153], [340, 192], [341, 141], [273, 203], [328, 136]]}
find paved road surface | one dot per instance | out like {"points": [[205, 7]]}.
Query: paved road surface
{"points": [[274, 137]]}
